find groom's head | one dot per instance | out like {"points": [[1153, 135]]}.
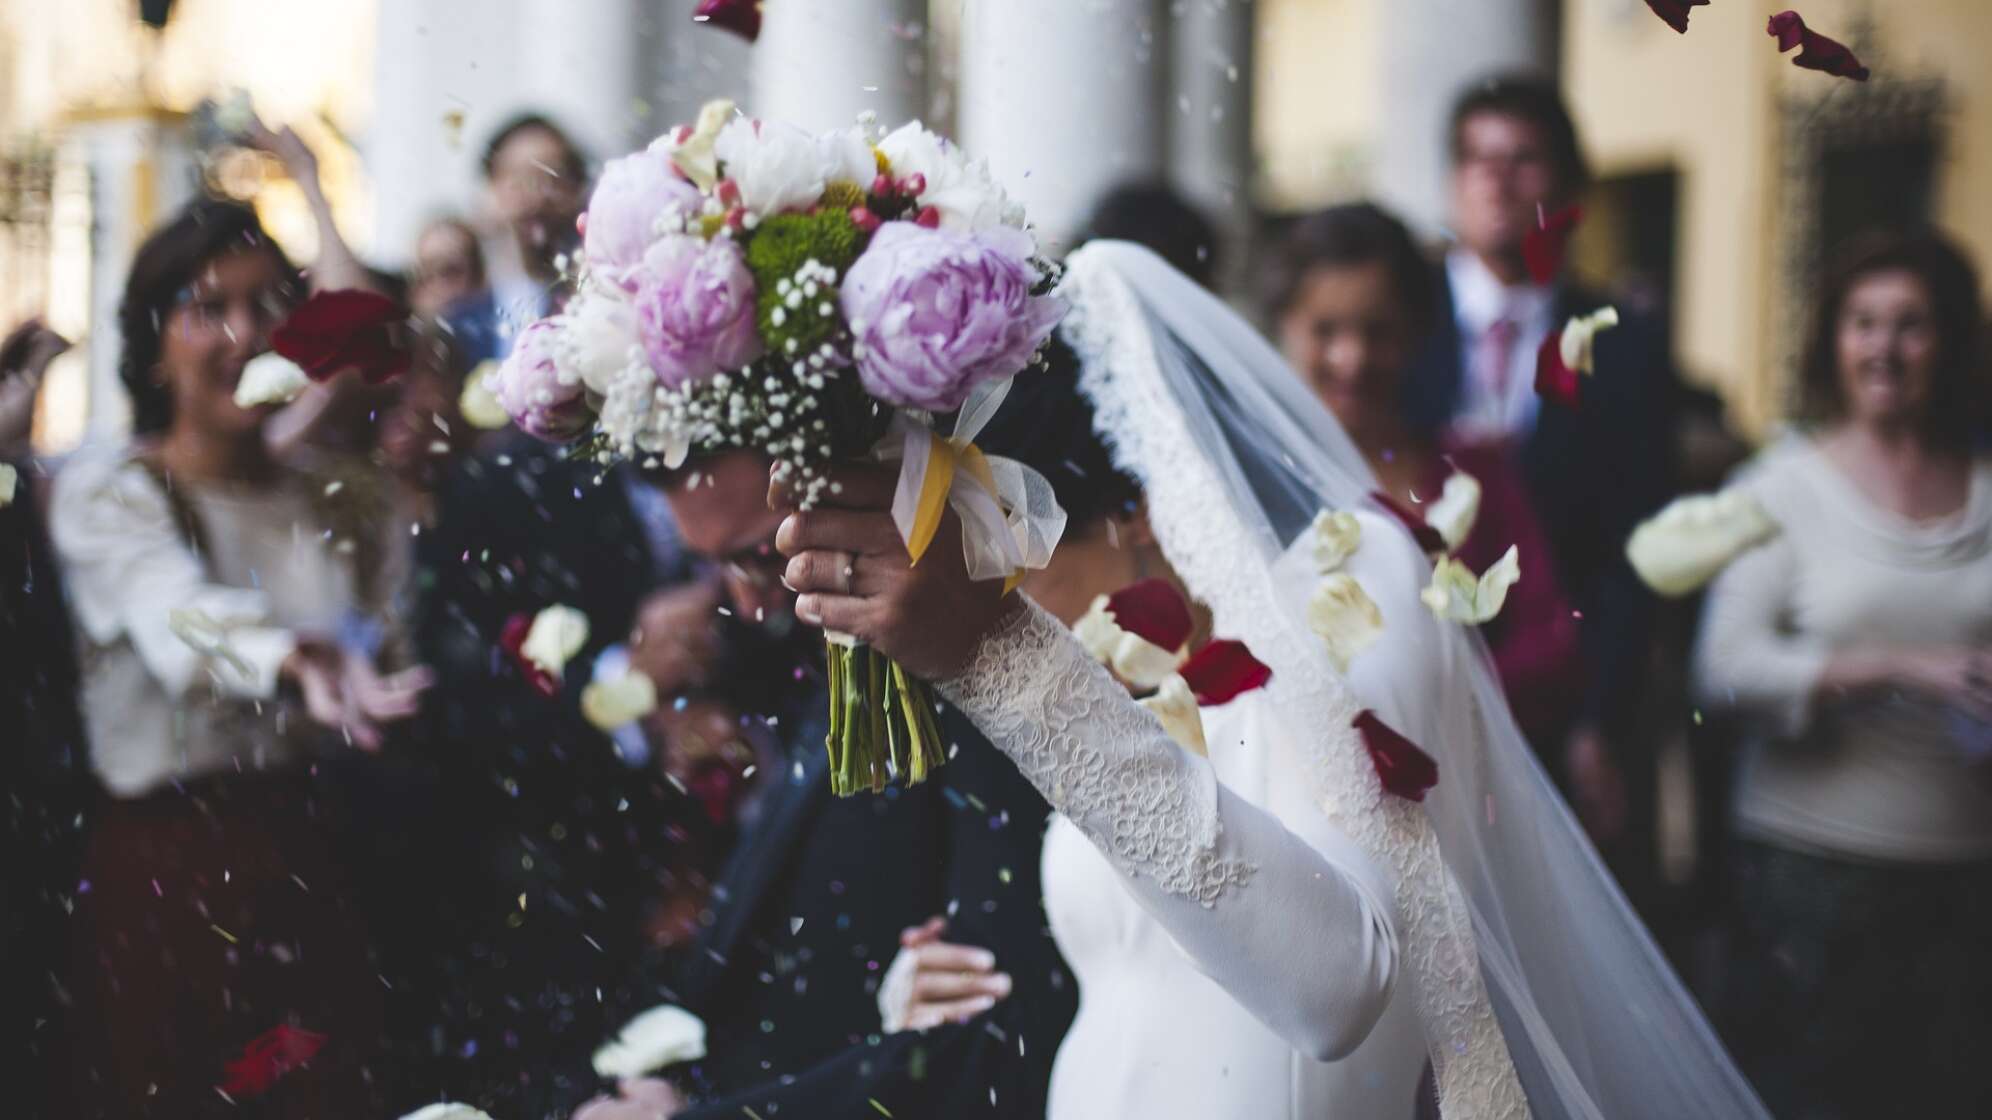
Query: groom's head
{"points": [[721, 506]]}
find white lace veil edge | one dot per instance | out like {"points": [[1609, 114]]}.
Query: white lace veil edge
{"points": [[1235, 458]]}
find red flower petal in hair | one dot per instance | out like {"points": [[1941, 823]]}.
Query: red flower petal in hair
{"points": [[512, 640], [1675, 12], [1429, 540], [1556, 381], [1815, 51], [1543, 247], [1222, 670], [350, 329], [1406, 771], [742, 17], [1154, 611], [269, 1056]]}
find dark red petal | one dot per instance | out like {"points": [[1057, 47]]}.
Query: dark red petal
{"points": [[1405, 770], [1675, 12], [1428, 539], [742, 17], [513, 640], [1554, 380], [269, 1056], [346, 329], [1816, 51], [1222, 670], [1154, 611], [1543, 248]]}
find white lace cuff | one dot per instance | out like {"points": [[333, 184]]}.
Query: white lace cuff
{"points": [[1096, 755]]}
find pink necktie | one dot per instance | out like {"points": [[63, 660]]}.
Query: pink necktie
{"points": [[1495, 356]]}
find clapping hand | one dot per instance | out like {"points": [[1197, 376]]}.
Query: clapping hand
{"points": [[932, 982], [341, 690], [641, 1098]]}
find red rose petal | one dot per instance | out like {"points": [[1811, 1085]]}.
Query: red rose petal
{"points": [[348, 329], [1675, 12], [1154, 611], [742, 17], [1222, 670], [1543, 247], [1405, 770], [1815, 51], [269, 1056], [512, 640], [1554, 380], [1429, 539]]}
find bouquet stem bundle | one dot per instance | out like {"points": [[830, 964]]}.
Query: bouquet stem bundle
{"points": [[882, 724]]}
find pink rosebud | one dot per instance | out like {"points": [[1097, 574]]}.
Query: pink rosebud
{"points": [[736, 219], [728, 193], [929, 217], [581, 225], [866, 221], [914, 185], [883, 186]]}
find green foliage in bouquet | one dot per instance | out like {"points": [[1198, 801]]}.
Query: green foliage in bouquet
{"points": [[797, 260]]}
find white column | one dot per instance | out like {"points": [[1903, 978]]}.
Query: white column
{"points": [[1431, 50], [820, 63], [1210, 133], [692, 64], [1066, 99], [582, 63]]}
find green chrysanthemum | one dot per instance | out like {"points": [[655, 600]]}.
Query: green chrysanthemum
{"points": [[797, 304]]}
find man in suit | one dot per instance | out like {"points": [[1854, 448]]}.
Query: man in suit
{"points": [[810, 908], [1594, 472]]}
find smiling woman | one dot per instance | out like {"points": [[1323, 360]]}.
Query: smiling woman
{"points": [[211, 586]]}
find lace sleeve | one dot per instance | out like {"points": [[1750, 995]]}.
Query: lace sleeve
{"points": [[1184, 843]]}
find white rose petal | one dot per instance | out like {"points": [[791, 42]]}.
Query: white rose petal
{"points": [[9, 479], [1457, 508], [447, 1110], [1337, 536], [694, 156], [557, 634], [1681, 548], [1142, 663], [478, 404], [662, 1036], [847, 157], [616, 703], [964, 192], [776, 165], [1345, 617], [269, 379], [1581, 332], [598, 339], [1457, 596], [1098, 631], [1176, 706]]}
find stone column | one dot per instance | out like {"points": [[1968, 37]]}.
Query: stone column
{"points": [[1210, 133], [1431, 50], [820, 63], [1066, 99]]}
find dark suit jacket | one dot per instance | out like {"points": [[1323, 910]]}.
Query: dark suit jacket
{"points": [[807, 918], [1593, 473]]}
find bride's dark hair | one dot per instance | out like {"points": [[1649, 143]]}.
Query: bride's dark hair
{"points": [[1046, 423]]}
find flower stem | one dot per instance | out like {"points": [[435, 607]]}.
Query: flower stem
{"points": [[882, 726]]}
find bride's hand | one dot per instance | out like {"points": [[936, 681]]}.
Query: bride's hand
{"points": [[852, 575]]}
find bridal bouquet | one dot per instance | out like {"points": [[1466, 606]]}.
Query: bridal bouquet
{"points": [[813, 297]]}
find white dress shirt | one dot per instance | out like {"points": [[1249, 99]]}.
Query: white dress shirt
{"points": [[1480, 300]]}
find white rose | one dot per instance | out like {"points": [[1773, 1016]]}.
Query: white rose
{"points": [[447, 1110], [480, 406], [691, 150], [598, 339], [1681, 548], [847, 157], [662, 1036], [557, 634], [1456, 595], [1176, 706], [615, 703], [966, 194], [1457, 508], [1345, 617], [9, 479], [1337, 536], [776, 165], [1580, 334], [269, 379]]}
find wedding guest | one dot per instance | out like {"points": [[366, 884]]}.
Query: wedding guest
{"points": [[25, 355], [449, 267], [1593, 473], [1859, 643], [214, 589], [1348, 296], [810, 907], [537, 179], [1155, 215]]}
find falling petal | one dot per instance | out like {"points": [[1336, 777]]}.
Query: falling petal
{"points": [[1815, 51], [1176, 707], [1455, 594], [1221, 670], [1405, 770], [1544, 247], [1155, 611], [1675, 12]]}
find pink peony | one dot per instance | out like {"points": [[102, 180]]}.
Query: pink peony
{"points": [[530, 388], [935, 313], [695, 309], [633, 193]]}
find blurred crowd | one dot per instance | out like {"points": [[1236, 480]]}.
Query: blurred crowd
{"points": [[269, 751]]}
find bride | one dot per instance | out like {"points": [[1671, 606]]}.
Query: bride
{"points": [[1266, 931]]}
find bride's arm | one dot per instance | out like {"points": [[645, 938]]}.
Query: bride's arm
{"points": [[1296, 928]]}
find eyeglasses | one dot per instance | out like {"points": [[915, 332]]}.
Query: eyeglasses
{"points": [[208, 309]]}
